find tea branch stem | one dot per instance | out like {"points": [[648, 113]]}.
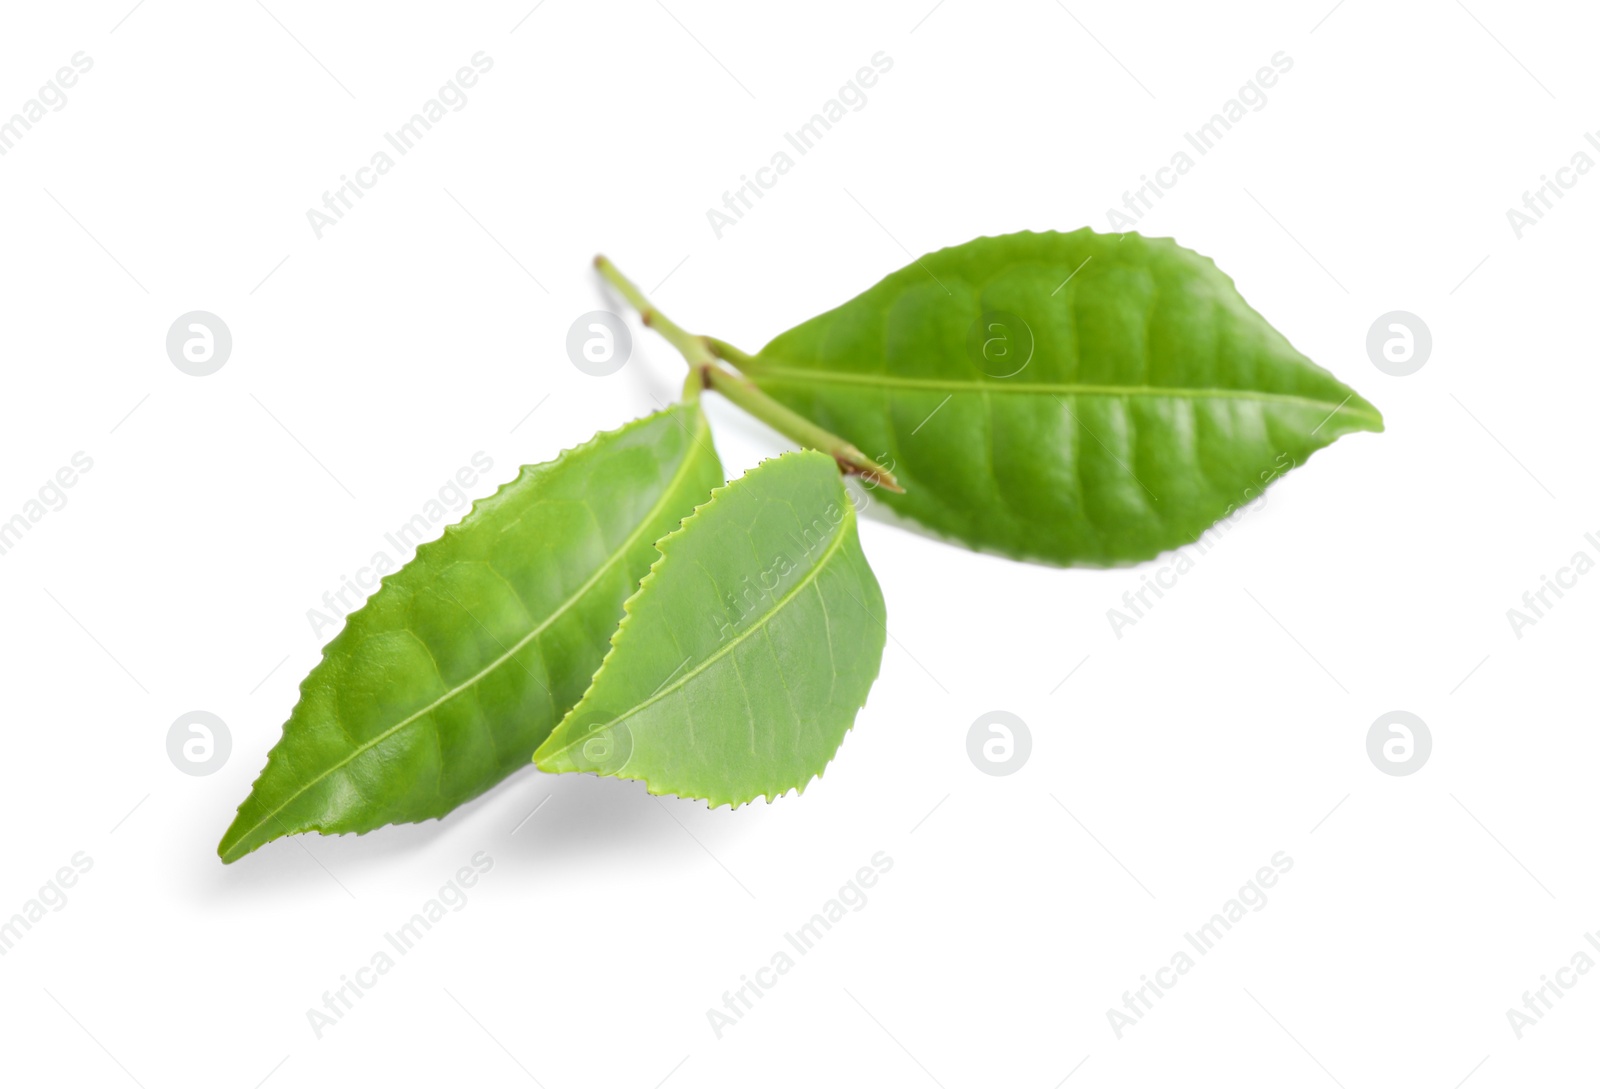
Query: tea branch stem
{"points": [[723, 350], [694, 349], [705, 372]]}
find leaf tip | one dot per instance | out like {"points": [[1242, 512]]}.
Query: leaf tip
{"points": [[249, 832], [1367, 416], [231, 848]]}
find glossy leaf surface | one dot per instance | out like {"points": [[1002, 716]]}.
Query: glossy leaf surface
{"points": [[461, 663], [1071, 398], [747, 651]]}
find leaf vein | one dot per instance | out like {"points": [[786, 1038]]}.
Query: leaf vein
{"points": [[633, 537], [721, 652], [801, 376]]}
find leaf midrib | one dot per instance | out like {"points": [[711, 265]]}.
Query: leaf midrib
{"points": [[556, 614], [952, 385], [722, 652]]}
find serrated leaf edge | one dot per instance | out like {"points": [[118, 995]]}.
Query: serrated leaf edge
{"points": [[702, 429], [846, 526]]}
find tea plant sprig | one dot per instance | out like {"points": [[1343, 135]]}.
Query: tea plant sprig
{"points": [[1071, 399]]}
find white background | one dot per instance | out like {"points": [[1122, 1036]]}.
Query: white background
{"points": [[1230, 723]]}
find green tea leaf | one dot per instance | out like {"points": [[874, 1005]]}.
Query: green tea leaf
{"points": [[746, 653], [448, 678], [1071, 398]]}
